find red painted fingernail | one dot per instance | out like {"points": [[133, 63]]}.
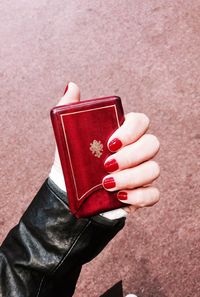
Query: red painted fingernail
{"points": [[111, 165], [122, 196], [109, 183], [115, 144], [66, 89]]}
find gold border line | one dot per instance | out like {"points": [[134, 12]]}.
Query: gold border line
{"points": [[66, 142]]}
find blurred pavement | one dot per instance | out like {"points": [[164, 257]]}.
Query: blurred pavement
{"points": [[147, 52]]}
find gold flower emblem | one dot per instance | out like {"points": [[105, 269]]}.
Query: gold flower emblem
{"points": [[97, 148]]}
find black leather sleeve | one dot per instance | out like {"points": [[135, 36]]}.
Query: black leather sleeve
{"points": [[42, 256]]}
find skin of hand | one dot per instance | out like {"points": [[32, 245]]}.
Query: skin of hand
{"points": [[130, 168]]}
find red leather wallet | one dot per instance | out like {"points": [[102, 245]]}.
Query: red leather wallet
{"points": [[82, 130]]}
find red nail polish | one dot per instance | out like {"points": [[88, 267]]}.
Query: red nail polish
{"points": [[122, 196], [109, 183], [111, 165], [66, 89], [115, 144]]}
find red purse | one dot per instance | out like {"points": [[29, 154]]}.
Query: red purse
{"points": [[82, 130]]}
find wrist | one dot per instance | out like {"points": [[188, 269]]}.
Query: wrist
{"points": [[57, 177]]}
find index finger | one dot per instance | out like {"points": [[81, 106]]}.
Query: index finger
{"points": [[134, 126]]}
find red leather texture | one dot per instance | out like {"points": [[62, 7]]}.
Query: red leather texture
{"points": [[82, 130]]}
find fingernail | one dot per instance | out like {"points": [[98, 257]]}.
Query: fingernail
{"points": [[111, 165], [66, 89], [109, 183], [122, 196], [115, 144]]}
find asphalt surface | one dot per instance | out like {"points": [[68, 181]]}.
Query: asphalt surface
{"points": [[147, 52]]}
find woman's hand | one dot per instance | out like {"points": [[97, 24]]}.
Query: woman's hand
{"points": [[130, 167]]}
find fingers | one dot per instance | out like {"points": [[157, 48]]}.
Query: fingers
{"points": [[130, 166], [144, 196], [134, 126], [133, 154], [132, 178], [71, 95], [138, 198]]}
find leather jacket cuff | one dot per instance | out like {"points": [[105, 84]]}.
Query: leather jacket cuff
{"points": [[42, 256]]}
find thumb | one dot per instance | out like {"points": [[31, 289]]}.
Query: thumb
{"points": [[72, 94]]}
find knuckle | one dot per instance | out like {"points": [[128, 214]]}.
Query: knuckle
{"points": [[145, 119], [130, 117], [155, 168], [156, 195], [141, 118], [154, 140]]}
